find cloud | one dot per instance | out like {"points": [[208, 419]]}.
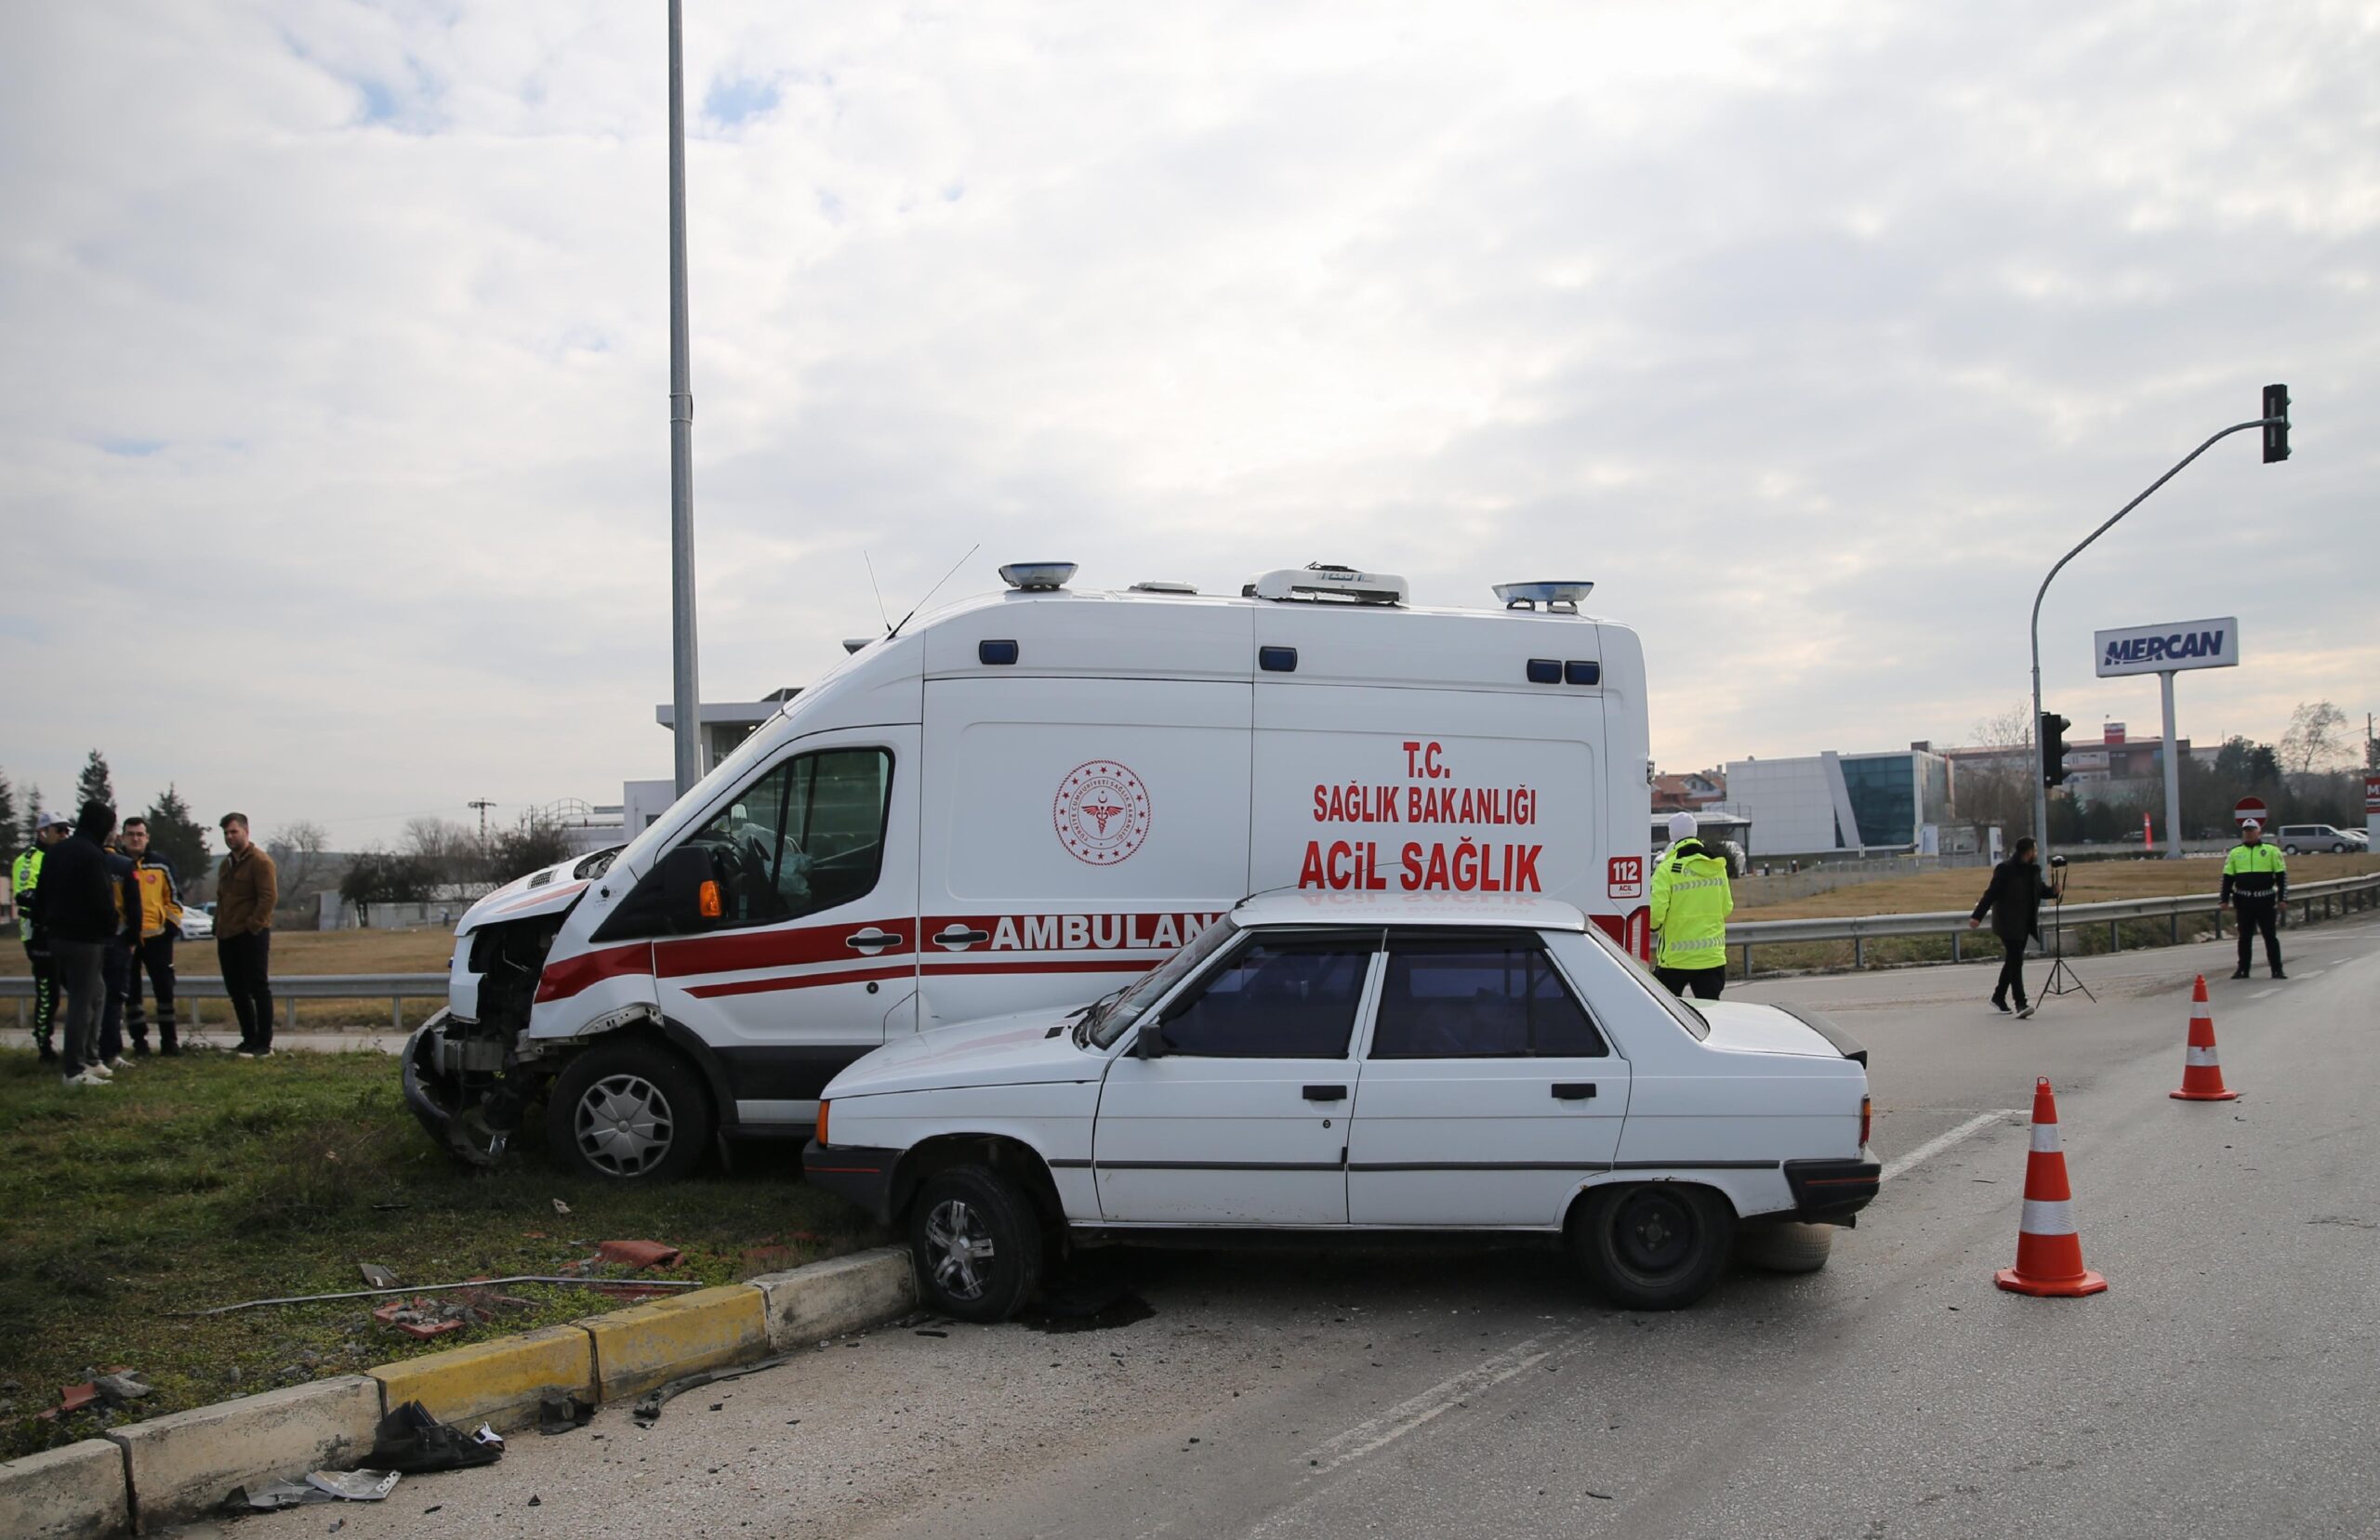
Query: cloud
{"points": [[1813, 333]]}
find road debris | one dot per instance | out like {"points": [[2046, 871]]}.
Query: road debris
{"points": [[377, 1275], [355, 1486], [571, 1282], [413, 1442], [274, 1494], [560, 1412], [638, 1254], [647, 1410]]}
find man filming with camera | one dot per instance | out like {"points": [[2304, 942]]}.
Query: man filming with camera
{"points": [[2014, 901]]}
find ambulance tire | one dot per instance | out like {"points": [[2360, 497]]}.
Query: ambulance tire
{"points": [[629, 1110], [976, 1243], [1653, 1245], [1786, 1245]]}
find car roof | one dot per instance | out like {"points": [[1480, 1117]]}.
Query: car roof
{"points": [[1502, 910]]}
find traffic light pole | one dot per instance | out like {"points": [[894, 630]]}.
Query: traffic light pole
{"points": [[2040, 779]]}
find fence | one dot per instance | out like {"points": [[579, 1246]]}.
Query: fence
{"points": [[1859, 929], [395, 988], [2331, 898]]}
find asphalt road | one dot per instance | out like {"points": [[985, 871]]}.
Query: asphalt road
{"points": [[2223, 1386]]}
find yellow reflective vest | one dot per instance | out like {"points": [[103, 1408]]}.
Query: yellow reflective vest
{"points": [[1691, 902], [2260, 870]]}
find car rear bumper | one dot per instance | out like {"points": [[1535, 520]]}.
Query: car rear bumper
{"points": [[855, 1171], [1831, 1191]]}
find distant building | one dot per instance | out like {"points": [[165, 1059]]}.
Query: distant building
{"points": [[2118, 763], [1825, 802], [1689, 793], [724, 726]]}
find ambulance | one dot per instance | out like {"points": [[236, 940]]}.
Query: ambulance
{"points": [[1029, 799]]}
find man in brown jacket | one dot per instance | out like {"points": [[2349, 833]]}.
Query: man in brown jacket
{"points": [[245, 891]]}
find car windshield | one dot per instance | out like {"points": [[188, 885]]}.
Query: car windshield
{"points": [[1679, 1009], [1114, 1016]]}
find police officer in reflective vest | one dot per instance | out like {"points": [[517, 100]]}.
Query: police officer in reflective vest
{"points": [[2255, 884], [24, 881], [1691, 902]]}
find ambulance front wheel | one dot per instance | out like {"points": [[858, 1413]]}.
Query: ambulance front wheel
{"points": [[629, 1111]]}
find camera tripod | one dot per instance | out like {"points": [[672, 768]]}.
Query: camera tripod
{"points": [[2062, 978]]}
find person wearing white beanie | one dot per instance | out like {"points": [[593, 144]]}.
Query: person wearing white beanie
{"points": [[1691, 902]]}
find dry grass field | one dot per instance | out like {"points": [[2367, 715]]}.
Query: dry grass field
{"points": [[2089, 882]]}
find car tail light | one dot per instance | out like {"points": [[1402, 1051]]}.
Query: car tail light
{"points": [[823, 1106], [1867, 1120]]}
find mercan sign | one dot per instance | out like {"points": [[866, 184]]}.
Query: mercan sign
{"points": [[2161, 648]]}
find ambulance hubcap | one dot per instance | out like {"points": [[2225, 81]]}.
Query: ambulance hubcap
{"points": [[959, 1248], [625, 1125]]}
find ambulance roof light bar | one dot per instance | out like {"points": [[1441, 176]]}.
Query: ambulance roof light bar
{"points": [[1322, 581], [1162, 585], [1035, 578], [1560, 599]]}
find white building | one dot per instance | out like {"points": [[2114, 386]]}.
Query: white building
{"points": [[1824, 802]]}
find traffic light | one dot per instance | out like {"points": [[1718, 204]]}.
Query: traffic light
{"points": [[2276, 423], [2054, 749]]}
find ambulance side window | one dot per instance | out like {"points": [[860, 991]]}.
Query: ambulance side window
{"points": [[807, 835]]}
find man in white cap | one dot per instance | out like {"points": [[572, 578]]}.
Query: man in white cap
{"points": [[2256, 885], [24, 881], [1691, 902]]}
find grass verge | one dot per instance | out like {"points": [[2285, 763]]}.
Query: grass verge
{"points": [[207, 1181]]}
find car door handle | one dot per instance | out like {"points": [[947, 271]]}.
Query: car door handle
{"points": [[871, 940], [1573, 1090], [1326, 1093], [959, 941]]}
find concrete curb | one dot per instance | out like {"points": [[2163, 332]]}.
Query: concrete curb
{"points": [[183, 1465]]}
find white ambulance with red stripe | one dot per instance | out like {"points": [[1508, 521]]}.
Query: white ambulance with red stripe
{"points": [[1026, 800]]}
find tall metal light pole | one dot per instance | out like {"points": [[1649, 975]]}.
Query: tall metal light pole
{"points": [[2275, 422], [684, 674]]}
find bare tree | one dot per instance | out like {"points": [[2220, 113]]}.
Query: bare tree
{"points": [[2316, 738], [2000, 789], [297, 849], [444, 849]]}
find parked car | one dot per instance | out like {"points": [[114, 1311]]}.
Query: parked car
{"points": [[1345, 1064], [198, 922], [2297, 838]]}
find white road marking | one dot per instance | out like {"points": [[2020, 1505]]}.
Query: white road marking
{"points": [[1406, 1415], [2262, 992], [1935, 1146]]}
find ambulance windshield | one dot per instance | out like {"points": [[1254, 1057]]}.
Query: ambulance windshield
{"points": [[1114, 1016]]}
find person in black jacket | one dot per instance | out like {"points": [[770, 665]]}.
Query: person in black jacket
{"points": [[2014, 900], [76, 909]]}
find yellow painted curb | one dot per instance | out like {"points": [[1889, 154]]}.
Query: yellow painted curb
{"points": [[499, 1382], [648, 1345]]}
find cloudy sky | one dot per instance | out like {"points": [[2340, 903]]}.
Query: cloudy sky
{"points": [[334, 471]]}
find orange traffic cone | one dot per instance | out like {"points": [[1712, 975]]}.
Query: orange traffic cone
{"points": [[2201, 1072], [2049, 1253]]}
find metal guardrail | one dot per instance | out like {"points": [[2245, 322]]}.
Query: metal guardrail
{"points": [[2333, 898], [395, 988]]}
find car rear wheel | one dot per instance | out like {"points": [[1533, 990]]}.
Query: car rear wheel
{"points": [[1787, 1245], [976, 1241], [629, 1112], [1659, 1246]]}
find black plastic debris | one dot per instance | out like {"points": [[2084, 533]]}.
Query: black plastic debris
{"points": [[560, 1412], [647, 1410], [412, 1441]]}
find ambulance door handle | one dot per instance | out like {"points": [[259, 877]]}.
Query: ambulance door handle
{"points": [[871, 940], [959, 939]]}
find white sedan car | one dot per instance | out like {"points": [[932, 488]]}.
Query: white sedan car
{"points": [[197, 923], [1352, 1064]]}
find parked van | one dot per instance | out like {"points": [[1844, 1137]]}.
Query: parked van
{"points": [[1025, 800]]}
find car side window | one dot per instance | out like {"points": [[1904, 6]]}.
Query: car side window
{"points": [[1484, 998], [807, 835], [1274, 999]]}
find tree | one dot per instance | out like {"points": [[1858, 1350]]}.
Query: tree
{"points": [[8, 824], [31, 816], [383, 876], [528, 845], [2314, 740], [442, 848], [177, 837], [1999, 790], [296, 850], [94, 784]]}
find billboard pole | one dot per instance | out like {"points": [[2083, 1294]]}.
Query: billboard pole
{"points": [[2040, 782], [2172, 770]]}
